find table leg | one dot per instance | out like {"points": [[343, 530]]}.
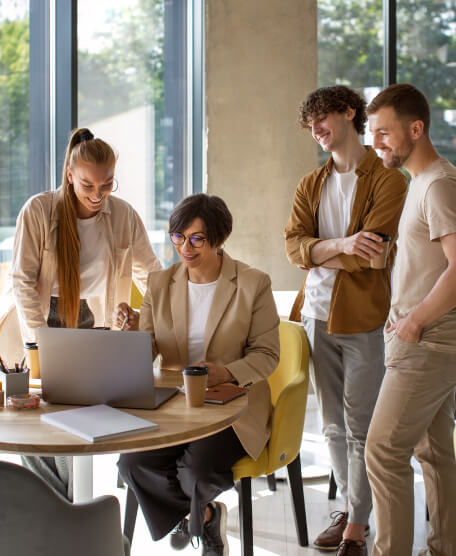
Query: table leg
{"points": [[82, 478]]}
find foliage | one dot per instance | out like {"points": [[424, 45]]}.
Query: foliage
{"points": [[350, 51], [14, 110]]}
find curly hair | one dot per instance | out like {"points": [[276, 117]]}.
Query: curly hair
{"points": [[333, 99]]}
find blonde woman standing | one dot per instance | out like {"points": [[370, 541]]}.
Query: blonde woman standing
{"points": [[76, 251]]}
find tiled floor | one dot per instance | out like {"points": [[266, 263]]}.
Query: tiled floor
{"points": [[274, 530]]}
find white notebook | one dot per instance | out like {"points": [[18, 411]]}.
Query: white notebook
{"points": [[98, 422]]}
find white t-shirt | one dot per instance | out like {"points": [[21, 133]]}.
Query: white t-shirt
{"points": [[334, 213], [199, 303], [93, 259]]}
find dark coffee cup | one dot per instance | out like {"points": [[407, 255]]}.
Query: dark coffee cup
{"points": [[379, 261], [195, 382]]}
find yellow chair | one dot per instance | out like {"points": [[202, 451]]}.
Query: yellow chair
{"points": [[136, 297], [289, 384]]}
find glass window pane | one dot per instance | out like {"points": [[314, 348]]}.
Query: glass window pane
{"points": [[350, 43], [14, 122], [132, 92], [350, 47], [426, 58]]}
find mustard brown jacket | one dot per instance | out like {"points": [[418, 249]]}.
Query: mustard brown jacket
{"points": [[361, 295]]}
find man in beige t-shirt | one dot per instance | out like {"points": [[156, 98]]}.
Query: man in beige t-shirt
{"points": [[415, 410]]}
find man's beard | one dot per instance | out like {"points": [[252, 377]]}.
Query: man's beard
{"points": [[398, 159]]}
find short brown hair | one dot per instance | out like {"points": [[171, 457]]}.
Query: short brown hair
{"points": [[212, 210], [407, 101], [333, 99]]}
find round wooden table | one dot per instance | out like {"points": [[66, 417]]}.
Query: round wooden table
{"points": [[23, 432]]}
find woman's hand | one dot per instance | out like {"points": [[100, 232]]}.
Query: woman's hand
{"points": [[217, 374], [122, 312]]}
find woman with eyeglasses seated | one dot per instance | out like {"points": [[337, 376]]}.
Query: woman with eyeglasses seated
{"points": [[211, 310], [75, 252]]}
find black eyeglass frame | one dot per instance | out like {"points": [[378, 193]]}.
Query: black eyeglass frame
{"points": [[184, 238]]}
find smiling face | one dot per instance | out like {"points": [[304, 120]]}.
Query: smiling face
{"points": [[391, 137], [92, 184], [197, 258], [330, 130]]}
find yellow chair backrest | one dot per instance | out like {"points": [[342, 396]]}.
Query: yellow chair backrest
{"points": [[294, 357], [136, 297], [289, 384]]}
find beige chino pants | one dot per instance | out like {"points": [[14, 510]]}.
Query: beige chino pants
{"points": [[414, 415]]}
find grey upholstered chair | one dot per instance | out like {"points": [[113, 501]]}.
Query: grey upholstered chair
{"points": [[36, 521]]}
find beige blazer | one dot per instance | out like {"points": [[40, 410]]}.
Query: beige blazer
{"points": [[34, 265], [242, 334]]}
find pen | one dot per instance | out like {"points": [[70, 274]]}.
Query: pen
{"points": [[3, 366], [21, 364], [16, 368], [124, 322]]}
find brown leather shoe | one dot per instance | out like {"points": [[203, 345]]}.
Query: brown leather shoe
{"points": [[331, 537], [349, 547]]}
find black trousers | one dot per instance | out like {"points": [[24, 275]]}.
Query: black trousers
{"points": [[172, 482], [85, 317]]}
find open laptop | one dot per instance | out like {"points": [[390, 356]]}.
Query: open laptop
{"points": [[89, 367]]}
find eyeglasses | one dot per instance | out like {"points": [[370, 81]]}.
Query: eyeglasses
{"points": [[179, 239]]}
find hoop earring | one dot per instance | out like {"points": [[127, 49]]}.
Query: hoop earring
{"points": [[117, 186]]}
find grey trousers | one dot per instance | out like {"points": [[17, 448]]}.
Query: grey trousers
{"points": [[347, 374], [58, 471]]}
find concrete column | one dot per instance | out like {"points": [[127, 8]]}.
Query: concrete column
{"points": [[261, 62]]}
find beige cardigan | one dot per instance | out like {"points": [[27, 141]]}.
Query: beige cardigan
{"points": [[242, 334], [34, 264]]}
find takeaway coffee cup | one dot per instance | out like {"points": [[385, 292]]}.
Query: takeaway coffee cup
{"points": [[379, 261], [33, 361], [195, 381]]}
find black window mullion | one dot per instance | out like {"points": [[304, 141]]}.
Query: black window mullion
{"points": [[389, 47]]}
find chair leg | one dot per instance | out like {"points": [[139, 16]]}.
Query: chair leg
{"points": [[332, 487], [120, 483], [272, 483], [244, 488], [131, 510], [297, 496]]}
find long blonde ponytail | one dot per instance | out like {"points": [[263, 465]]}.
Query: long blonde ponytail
{"points": [[82, 148]]}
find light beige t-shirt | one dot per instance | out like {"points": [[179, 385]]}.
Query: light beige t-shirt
{"points": [[429, 213]]}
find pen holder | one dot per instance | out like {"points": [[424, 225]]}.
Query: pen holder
{"points": [[15, 383]]}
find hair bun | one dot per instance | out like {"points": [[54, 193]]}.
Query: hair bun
{"points": [[86, 135]]}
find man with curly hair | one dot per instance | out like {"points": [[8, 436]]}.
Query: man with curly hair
{"points": [[341, 214]]}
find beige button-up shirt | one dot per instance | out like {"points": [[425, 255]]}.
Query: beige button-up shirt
{"points": [[34, 264]]}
